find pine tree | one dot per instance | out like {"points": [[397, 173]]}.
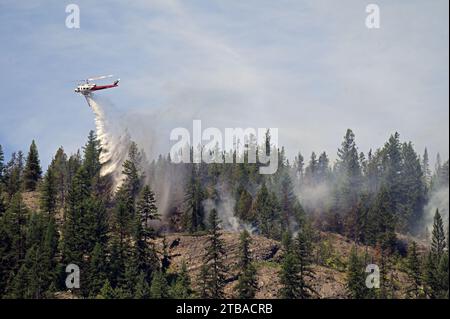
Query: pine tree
{"points": [[289, 273], [202, 280], [299, 170], [74, 242], [381, 229], [436, 266], [265, 207], [323, 169], [181, 289], [431, 279], [193, 198], [92, 151], [128, 192], [122, 216], [289, 205], [303, 251], [443, 275], [50, 248], [414, 289], [438, 237], [386, 290], [426, 168], [15, 226], [107, 292], [147, 210], [132, 172], [247, 282], [13, 174], [412, 190], [159, 286], [33, 171], [214, 260], [142, 290], [243, 206], [60, 169], [48, 200], [144, 257], [356, 277], [116, 261], [96, 271], [348, 172]]}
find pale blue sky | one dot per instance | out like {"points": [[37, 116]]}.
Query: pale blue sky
{"points": [[310, 68]]}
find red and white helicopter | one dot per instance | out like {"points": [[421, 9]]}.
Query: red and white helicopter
{"points": [[87, 87]]}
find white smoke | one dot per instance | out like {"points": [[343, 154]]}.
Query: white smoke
{"points": [[439, 200], [315, 198], [114, 138], [225, 211]]}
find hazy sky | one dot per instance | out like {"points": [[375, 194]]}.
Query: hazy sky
{"points": [[310, 68]]}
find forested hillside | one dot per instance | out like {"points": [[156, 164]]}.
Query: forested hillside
{"points": [[169, 229]]}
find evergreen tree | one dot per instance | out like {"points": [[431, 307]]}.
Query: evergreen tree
{"points": [[33, 171], [97, 271], [306, 275], [348, 172], [426, 168], [92, 151], [247, 282], [265, 207], [13, 174], [15, 227], [144, 257], [159, 286], [412, 196], [289, 274], [382, 221], [122, 216], [323, 169], [443, 275], [60, 170], [214, 260], [438, 237], [147, 210], [142, 290], [387, 284], [107, 292], [48, 200], [299, 169], [356, 276], [132, 172], [74, 242], [203, 279], [414, 289], [128, 192], [431, 279], [194, 196], [311, 170], [243, 206], [182, 286]]}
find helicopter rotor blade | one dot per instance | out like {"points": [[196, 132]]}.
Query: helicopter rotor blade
{"points": [[100, 77]]}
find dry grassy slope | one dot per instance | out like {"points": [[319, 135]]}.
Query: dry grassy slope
{"points": [[329, 283]]}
